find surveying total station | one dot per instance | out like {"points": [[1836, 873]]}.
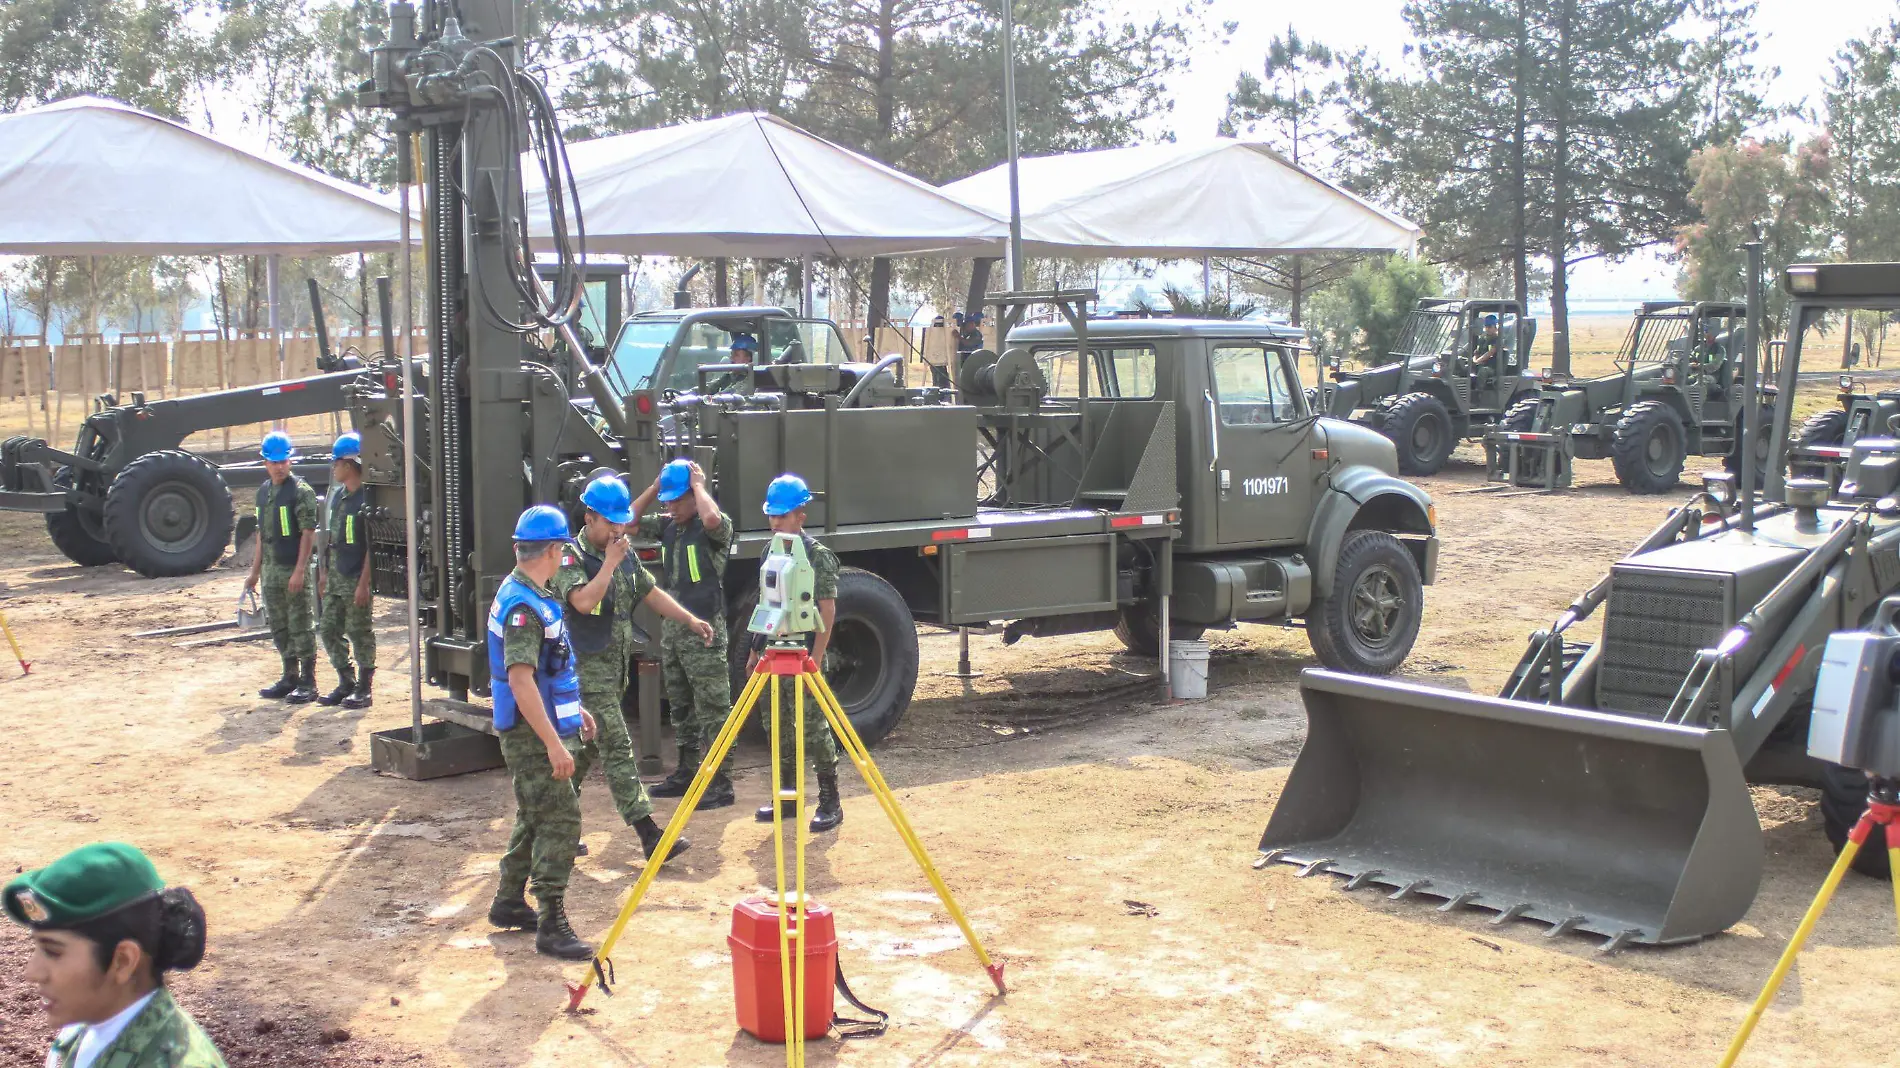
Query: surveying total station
{"points": [[786, 615]]}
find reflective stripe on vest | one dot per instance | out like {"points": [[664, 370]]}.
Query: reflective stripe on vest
{"points": [[692, 562], [349, 529], [283, 519]]}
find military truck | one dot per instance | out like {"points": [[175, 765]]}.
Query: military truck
{"points": [[1155, 476], [1431, 393], [1824, 443], [1605, 789], [1676, 393]]}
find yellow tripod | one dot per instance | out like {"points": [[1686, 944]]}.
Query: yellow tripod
{"points": [[25, 668], [787, 659], [1883, 811]]}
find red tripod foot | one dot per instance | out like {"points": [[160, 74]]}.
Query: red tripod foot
{"points": [[996, 975], [575, 992]]}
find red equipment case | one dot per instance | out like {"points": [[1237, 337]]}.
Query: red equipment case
{"points": [[756, 988]]}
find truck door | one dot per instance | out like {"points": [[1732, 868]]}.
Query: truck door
{"points": [[1263, 469]]}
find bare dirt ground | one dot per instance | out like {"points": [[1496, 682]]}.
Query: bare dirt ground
{"points": [[1053, 794]]}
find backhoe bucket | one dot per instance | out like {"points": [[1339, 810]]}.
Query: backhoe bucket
{"points": [[1632, 829]]}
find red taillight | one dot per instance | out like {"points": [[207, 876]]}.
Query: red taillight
{"points": [[389, 381], [643, 403], [648, 556]]}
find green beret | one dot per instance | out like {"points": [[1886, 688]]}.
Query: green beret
{"points": [[82, 885]]}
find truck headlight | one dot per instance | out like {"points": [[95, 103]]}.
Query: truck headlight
{"points": [[1803, 279], [1847, 383]]}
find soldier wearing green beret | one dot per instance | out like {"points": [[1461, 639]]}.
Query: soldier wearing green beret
{"points": [[106, 929]]}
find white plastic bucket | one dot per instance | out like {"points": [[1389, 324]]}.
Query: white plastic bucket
{"points": [[1187, 670]]}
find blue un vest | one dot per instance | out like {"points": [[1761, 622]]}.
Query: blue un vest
{"points": [[554, 674]]}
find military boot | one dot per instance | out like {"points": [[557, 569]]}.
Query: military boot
{"points": [[650, 833], [718, 792], [361, 698], [306, 690], [830, 809], [789, 809], [345, 686], [285, 685], [553, 937], [675, 785], [511, 912]]}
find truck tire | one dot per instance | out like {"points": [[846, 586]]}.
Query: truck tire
{"points": [[1732, 463], [1420, 427], [872, 659], [77, 537], [1823, 428], [1648, 448], [1368, 623], [1139, 628], [1520, 417], [168, 514], [1843, 799]]}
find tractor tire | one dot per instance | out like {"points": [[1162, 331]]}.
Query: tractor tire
{"points": [[1648, 448], [1843, 799], [78, 537], [1823, 428], [1139, 629], [168, 514], [1368, 623], [871, 661], [1520, 417], [1420, 427]]}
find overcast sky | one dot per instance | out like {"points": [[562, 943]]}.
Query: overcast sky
{"points": [[1799, 36]]}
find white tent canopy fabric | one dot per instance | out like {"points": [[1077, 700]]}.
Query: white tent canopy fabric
{"points": [[88, 176], [1216, 197], [752, 184]]}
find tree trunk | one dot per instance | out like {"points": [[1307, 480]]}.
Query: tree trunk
{"points": [[979, 283], [1520, 186], [1559, 196], [1298, 287], [722, 293], [880, 310]]}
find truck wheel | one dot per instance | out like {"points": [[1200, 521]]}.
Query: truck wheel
{"points": [[1139, 628], [1420, 427], [1368, 623], [167, 514], [1520, 417], [871, 661], [1823, 428], [1843, 799], [1732, 463], [1647, 448], [78, 537]]}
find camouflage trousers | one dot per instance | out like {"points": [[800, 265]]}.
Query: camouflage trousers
{"points": [[345, 626], [547, 818], [821, 748], [612, 746], [292, 615], [698, 685]]}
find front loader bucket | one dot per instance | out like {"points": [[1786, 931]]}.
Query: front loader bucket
{"points": [[1635, 830]]}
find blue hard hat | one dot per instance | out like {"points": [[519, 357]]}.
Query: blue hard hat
{"points": [[1490, 320], [608, 497], [676, 479], [746, 342], [347, 447], [786, 493], [277, 447], [543, 522]]}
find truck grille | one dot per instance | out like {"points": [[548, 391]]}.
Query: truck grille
{"points": [[1655, 624]]}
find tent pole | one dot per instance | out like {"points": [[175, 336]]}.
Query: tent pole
{"points": [[1015, 281]]}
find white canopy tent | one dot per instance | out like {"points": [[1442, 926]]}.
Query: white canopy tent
{"points": [[93, 177], [1219, 197], [753, 184]]}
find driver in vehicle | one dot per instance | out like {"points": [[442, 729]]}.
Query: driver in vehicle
{"points": [[1487, 353], [745, 349], [1713, 357]]}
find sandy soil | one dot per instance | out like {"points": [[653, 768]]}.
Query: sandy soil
{"points": [[1053, 794]]}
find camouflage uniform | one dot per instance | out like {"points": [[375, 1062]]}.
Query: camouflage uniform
{"points": [[345, 625], [821, 748], [698, 676], [547, 809], [162, 1035], [604, 679], [292, 615]]}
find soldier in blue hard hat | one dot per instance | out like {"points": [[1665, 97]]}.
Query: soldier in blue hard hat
{"points": [[695, 540], [104, 930], [786, 498], [286, 535], [600, 585], [344, 620], [541, 725]]}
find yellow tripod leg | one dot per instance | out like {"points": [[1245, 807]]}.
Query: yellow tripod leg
{"points": [[1893, 864], [798, 836], [25, 668], [1833, 882], [778, 859], [861, 756], [715, 756]]}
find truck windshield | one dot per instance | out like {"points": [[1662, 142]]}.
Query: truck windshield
{"points": [[1427, 334], [637, 353], [1656, 337]]}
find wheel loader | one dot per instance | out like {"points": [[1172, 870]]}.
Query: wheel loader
{"points": [[1676, 393], [1605, 789], [1824, 443], [1446, 379]]}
